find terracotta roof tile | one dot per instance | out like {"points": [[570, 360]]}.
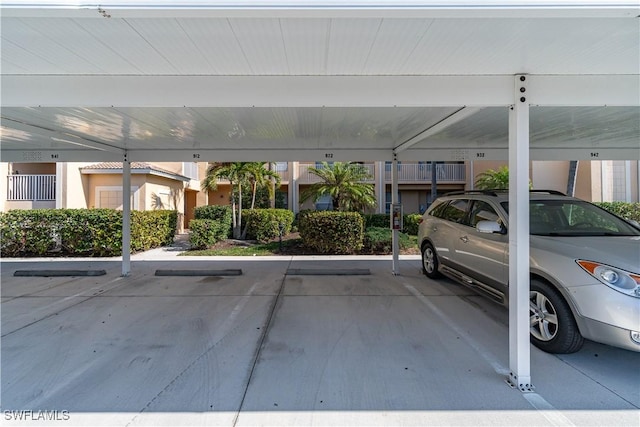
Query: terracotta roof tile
{"points": [[134, 165]]}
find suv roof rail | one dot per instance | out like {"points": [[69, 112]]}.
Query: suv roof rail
{"points": [[500, 190], [487, 192], [555, 192]]}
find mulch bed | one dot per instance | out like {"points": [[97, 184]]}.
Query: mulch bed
{"points": [[292, 245]]}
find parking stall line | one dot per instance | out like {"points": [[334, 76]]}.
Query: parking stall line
{"points": [[554, 416]]}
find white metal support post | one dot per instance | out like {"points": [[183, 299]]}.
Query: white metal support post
{"points": [[381, 187], [395, 234], [519, 346], [126, 215]]}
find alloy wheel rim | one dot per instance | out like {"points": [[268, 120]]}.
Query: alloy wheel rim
{"points": [[543, 317], [427, 260]]}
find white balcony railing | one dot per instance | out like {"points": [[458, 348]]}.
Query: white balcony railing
{"points": [[407, 173], [285, 176], [31, 187], [421, 172]]}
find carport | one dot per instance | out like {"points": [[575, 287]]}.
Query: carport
{"points": [[304, 81]]}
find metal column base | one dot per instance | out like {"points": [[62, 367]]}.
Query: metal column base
{"points": [[523, 386]]}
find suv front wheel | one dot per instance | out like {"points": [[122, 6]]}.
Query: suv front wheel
{"points": [[429, 261], [553, 328]]}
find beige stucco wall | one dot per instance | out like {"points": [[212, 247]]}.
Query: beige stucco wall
{"points": [[159, 186], [115, 180], [635, 181], [32, 168], [550, 175], [588, 182], [75, 187], [220, 196], [4, 172]]}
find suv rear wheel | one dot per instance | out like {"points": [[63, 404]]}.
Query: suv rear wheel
{"points": [[430, 261], [553, 328]]}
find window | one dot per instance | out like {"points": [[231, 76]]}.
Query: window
{"points": [[282, 166], [324, 203], [439, 210], [482, 211], [190, 170], [456, 210], [111, 197], [319, 165], [387, 201]]}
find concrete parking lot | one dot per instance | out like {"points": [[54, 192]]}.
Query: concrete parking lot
{"points": [[271, 348]]}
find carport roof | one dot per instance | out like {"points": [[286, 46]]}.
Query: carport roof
{"points": [[286, 80]]}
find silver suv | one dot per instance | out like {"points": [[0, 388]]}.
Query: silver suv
{"points": [[584, 263]]}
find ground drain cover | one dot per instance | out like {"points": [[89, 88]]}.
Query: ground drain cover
{"points": [[328, 272], [58, 273], [229, 272]]}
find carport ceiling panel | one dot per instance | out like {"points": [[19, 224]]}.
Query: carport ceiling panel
{"points": [[282, 128], [586, 127], [605, 128], [224, 128], [309, 46]]}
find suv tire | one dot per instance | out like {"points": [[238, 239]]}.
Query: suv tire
{"points": [[430, 261], [553, 328]]}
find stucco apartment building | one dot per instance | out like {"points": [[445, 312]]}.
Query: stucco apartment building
{"points": [[176, 185]]}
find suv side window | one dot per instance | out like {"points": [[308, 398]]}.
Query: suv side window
{"points": [[439, 209], [482, 211], [456, 210]]}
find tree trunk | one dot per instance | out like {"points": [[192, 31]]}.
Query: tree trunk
{"points": [[237, 229], [253, 196]]}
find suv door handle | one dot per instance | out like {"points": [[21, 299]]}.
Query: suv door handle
{"points": [[465, 239]]}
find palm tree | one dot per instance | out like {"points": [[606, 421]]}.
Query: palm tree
{"points": [[240, 174], [494, 179], [260, 176], [344, 183], [236, 173]]}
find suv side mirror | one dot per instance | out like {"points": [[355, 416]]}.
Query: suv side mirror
{"points": [[489, 227]]}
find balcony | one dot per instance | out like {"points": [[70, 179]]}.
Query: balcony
{"points": [[31, 188], [412, 173], [421, 173]]}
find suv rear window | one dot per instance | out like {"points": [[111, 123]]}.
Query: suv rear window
{"points": [[454, 210]]}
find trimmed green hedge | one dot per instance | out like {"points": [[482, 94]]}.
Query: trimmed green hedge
{"points": [[212, 224], [264, 224], [81, 232], [215, 213], [622, 209], [206, 233], [410, 222], [330, 232], [378, 240]]}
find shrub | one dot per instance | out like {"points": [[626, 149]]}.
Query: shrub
{"points": [[376, 220], [220, 214], [206, 233], [330, 232], [410, 222], [264, 224], [622, 209], [379, 240], [89, 232], [151, 229], [38, 232]]}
